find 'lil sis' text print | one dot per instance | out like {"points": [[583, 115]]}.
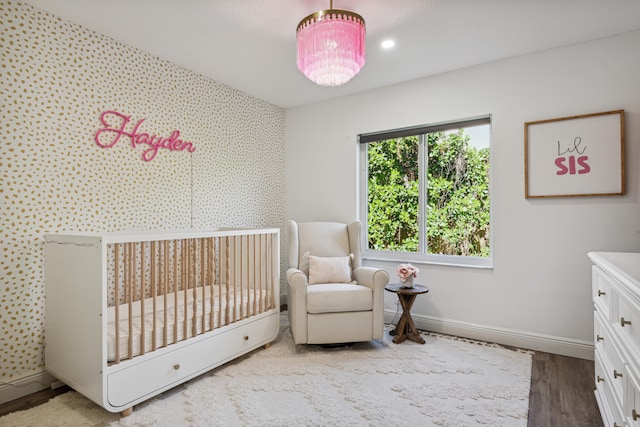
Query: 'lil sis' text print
{"points": [[572, 158]]}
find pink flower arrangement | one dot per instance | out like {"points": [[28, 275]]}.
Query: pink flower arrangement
{"points": [[404, 271]]}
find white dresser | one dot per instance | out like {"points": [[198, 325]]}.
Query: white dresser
{"points": [[616, 298]]}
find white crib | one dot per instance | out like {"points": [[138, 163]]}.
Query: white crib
{"points": [[130, 315]]}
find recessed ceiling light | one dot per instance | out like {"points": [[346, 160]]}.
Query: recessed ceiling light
{"points": [[387, 44]]}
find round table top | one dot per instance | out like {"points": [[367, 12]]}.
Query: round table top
{"points": [[399, 289]]}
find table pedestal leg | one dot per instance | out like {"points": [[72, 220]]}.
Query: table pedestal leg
{"points": [[406, 329]]}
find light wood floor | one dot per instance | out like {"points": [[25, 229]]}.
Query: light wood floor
{"points": [[561, 393]]}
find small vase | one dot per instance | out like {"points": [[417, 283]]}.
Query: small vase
{"points": [[407, 283]]}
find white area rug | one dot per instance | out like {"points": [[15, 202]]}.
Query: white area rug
{"points": [[446, 382]]}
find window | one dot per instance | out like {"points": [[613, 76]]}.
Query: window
{"points": [[424, 193]]}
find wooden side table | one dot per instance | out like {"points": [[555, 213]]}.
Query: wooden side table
{"points": [[406, 329]]}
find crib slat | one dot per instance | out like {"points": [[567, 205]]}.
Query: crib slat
{"points": [[165, 271], [264, 283], [235, 277], [131, 265], [257, 283], [116, 286], [267, 269], [274, 273], [226, 307], [259, 262], [143, 294], [211, 282], [233, 296], [256, 266], [220, 281], [269, 284], [203, 282], [267, 272], [236, 273], [153, 266], [193, 273], [176, 253], [183, 285], [251, 245], [273, 257], [241, 272]]}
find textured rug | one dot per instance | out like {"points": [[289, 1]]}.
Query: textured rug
{"points": [[446, 382]]}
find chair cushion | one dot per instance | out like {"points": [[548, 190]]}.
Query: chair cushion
{"points": [[338, 297], [329, 269], [326, 239]]}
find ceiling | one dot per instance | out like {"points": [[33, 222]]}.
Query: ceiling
{"points": [[250, 44]]}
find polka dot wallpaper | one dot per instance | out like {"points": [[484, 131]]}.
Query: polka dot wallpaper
{"points": [[56, 79]]}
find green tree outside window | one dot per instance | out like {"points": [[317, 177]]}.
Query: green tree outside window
{"points": [[457, 196]]}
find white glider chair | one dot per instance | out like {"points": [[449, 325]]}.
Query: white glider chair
{"points": [[332, 298]]}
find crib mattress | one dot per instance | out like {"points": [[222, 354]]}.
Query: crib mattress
{"points": [[200, 311]]}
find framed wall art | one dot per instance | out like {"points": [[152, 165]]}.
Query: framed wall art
{"points": [[575, 156]]}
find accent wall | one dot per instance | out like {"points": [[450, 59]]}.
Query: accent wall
{"points": [[57, 79]]}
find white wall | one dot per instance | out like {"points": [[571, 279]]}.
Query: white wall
{"points": [[538, 293]]}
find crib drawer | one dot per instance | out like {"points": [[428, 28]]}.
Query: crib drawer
{"points": [[153, 375]]}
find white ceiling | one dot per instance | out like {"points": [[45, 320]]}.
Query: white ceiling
{"points": [[250, 44]]}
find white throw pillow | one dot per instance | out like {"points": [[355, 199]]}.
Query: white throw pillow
{"points": [[329, 269]]}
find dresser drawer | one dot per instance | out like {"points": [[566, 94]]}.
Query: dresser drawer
{"points": [[608, 405], [632, 404], [613, 365], [601, 287], [599, 331], [627, 320]]}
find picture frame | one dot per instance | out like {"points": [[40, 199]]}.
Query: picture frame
{"points": [[575, 156]]}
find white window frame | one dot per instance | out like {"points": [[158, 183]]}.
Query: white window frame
{"points": [[422, 256]]}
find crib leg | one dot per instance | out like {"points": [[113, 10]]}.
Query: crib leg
{"points": [[127, 412]]}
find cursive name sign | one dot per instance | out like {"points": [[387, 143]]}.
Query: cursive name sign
{"points": [[114, 124]]}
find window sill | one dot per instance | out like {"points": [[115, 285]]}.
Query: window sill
{"points": [[445, 260]]}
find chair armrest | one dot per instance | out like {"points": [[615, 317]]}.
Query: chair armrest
{"points": [[297, 304], [376, 279], [297, 280], [372, 277]]}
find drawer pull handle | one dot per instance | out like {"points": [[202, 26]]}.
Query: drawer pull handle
{"points": [[601, 293], [599, 338], [246, 337], [635, 415], [624, 322], [617, 374], [599, 379], [176, 366]]}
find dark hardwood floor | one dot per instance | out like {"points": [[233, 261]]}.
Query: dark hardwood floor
{"points": [[31, 400], [561, 393]]}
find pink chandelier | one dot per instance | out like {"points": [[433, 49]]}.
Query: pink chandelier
{"points": [[331, 46]]}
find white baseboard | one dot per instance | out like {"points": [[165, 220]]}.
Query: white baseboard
{"points": [[510, 337], [25, 385]]}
